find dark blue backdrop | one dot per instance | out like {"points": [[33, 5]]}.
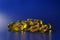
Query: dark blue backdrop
{"points": [[47, 10]]}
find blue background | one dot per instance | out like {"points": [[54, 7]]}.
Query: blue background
{"points": [[47, 10]]}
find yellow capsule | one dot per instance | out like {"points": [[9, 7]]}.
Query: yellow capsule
{"points": [[49, 26], [41, 22], [30, 25], [34, 28], [25, 25], [44, 28], [16, 29], [22, 28]]}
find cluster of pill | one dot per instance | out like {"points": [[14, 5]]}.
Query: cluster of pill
{"points": [[29, 25]]}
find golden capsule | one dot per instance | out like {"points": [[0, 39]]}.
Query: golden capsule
{"points": [[29, 25], [16, 29], [40, 22], [44, 28]]}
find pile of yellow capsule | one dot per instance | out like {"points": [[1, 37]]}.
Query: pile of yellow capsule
{"points": [[29, 25]]}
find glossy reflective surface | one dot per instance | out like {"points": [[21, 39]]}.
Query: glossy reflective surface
{"points": [[28, 36]]}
